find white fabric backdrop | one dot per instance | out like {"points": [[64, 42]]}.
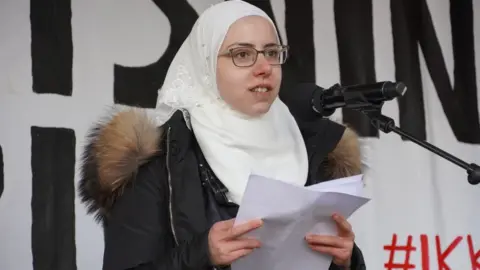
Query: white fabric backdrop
{"points": [[413, 191]]}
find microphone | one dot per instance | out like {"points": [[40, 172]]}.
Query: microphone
{"points": [[309, 100]]}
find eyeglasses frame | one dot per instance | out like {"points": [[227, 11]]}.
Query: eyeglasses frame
{"points": [[229, 52]]}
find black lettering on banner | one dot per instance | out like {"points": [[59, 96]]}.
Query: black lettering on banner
{"points": [[354, 29], [138, 86], [412, 26], [299, 24], [51, 46], [2, 176], [53, 198], [406, 30]]}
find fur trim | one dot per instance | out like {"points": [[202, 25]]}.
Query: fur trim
{"points": [[116, 148], [345, 159]]}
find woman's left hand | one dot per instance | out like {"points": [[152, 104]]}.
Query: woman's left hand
{"points": [[340, 247]]}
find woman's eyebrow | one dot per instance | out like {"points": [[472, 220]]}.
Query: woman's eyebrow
{"points": [[246, 44], [242, 44]]}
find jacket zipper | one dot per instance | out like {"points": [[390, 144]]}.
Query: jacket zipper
{"points": [[172, 227]]}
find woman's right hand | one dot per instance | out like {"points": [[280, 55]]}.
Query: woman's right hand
{"points": [[226, 243]]}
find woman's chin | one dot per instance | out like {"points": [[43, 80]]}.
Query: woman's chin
{"points": [[260, 108]]}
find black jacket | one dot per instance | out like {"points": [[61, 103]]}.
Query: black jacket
{"points": [[157, 199]]}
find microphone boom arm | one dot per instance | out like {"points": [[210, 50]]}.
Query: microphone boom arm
{"points": [[387, 125]]}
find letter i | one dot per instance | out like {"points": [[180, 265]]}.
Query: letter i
{"points": [[425, 252]]}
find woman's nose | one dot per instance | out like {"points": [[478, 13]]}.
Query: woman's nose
{"points": [[262, 66]]}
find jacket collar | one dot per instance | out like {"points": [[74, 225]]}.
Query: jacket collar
{"points": [[179, 136]]}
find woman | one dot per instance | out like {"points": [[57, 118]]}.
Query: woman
{"points": [[167, 192]]}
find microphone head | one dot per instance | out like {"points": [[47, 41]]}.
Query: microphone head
{"points": [[393, 90]]}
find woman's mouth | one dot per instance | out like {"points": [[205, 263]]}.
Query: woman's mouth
{"points": [[260, 90]]}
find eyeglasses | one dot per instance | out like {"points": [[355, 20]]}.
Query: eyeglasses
{"points": [[247, 56]]}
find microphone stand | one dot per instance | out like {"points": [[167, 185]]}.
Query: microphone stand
{"points": [[387, 125]]}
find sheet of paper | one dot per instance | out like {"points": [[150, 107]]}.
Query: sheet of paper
{"points": [[290, 212]]}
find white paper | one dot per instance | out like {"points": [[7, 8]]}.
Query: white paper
{"points": [[289, 213]]}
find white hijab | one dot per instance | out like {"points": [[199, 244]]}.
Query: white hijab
{"points": [[235, 146]]}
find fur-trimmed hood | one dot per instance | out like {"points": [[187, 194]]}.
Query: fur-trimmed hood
{"points": [[115, 149], [125, 140]]}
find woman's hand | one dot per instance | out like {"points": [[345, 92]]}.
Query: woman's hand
{"points": [[340, 247], [226, 243]]}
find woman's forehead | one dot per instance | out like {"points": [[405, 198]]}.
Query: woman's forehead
{"points": [[252, 21], [253, 30]]}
